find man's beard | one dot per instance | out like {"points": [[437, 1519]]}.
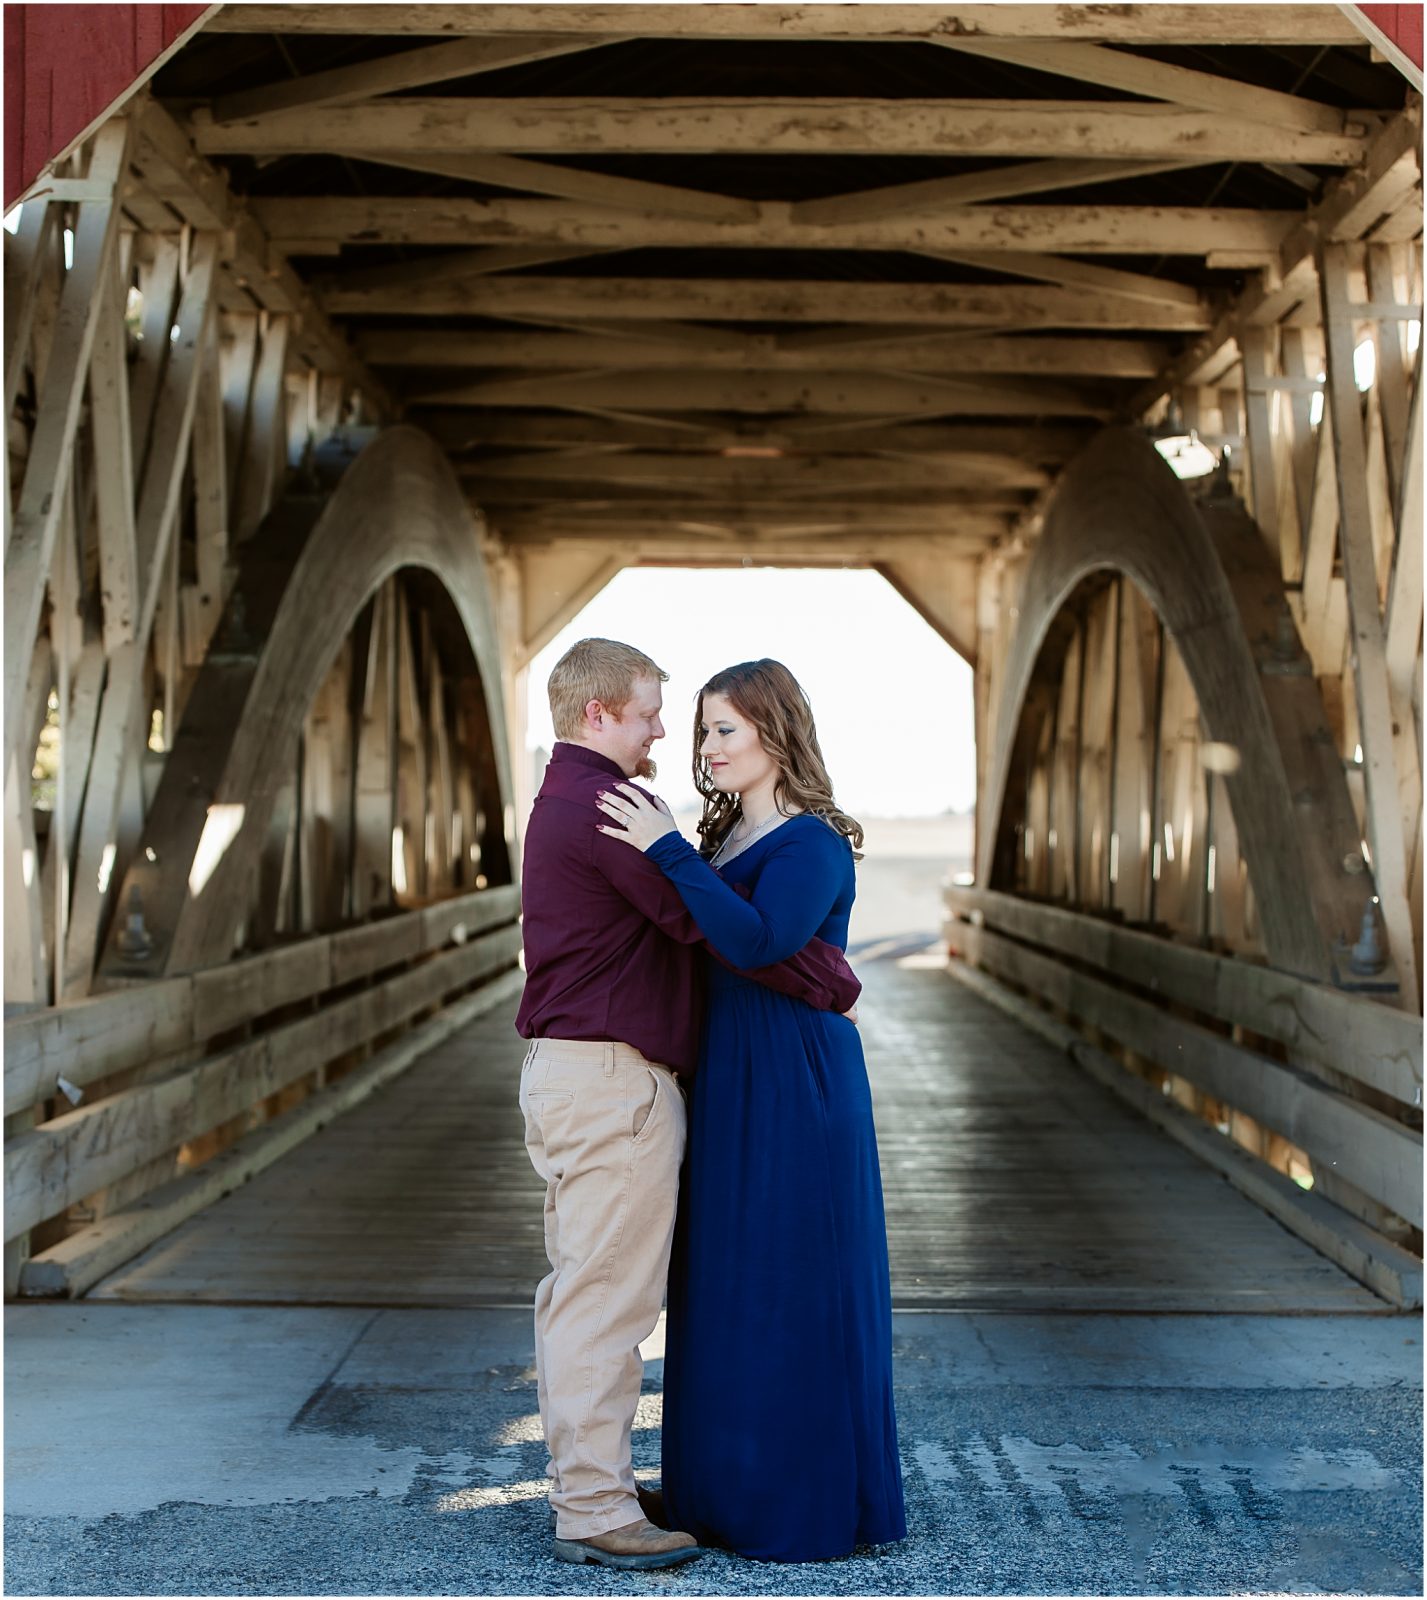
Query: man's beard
{"points": [[646, 769]]}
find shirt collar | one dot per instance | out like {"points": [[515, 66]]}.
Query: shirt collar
{"points": [[584, 756]]}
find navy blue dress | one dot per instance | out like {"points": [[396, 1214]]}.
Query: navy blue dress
{"points": [[780, 1439]]}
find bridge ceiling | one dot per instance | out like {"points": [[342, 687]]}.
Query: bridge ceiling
{"points": [[834, 283]]}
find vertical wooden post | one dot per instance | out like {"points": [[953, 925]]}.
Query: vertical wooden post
{"points": [[25, 258], [1114, 822], [30, 544], [1258, 419], [159, 286], [1156, 730], [1370, 681], [264, 459], [1077, 842], [1301, 365]]}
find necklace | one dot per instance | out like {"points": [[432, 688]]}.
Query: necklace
{"points": [[768, 822]]}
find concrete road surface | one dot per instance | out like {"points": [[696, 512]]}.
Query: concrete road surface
{"points": [[221, 1450]]}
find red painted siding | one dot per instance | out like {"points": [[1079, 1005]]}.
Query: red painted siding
{"points": [[66, 66], [1401, 24]]}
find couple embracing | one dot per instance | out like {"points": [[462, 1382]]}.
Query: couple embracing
{"points": [[657, 972]]}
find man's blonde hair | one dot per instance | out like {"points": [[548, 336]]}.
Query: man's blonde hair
{"points": [[596, 669]]}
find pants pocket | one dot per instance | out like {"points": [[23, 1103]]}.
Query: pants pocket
{"points": [[647, 1106]]}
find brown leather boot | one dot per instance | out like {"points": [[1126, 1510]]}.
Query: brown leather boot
{"points": [[639, 1545]]}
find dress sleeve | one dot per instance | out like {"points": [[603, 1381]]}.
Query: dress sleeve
{"points": [[796, 889], [818, 974]]}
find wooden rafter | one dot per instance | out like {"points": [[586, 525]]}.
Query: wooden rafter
{"points": [[31, 539], [1127, 24], [932, 351], [407, 69], [573, 183], [458, 431], [1156, 80], [971, 188], [761, 300], [843, 394], [1030, 130], [1114, 230]]}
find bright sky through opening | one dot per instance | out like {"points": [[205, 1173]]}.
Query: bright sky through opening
{"points": [[893, 701]]}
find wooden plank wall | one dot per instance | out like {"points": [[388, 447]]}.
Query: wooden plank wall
{"points": [[170, 385], [1309, 392], [145, 1104], [1319, 1086], [159, 401]]}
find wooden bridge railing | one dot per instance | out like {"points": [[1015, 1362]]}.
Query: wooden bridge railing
{"points": [[161, 1065], [1347, 1093]]}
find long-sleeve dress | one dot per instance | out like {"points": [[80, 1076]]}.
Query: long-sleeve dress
{"points": [[780, 1439]]}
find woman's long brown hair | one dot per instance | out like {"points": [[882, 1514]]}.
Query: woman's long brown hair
{"points": [[774, 702]]}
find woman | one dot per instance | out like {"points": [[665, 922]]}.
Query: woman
{"points": [[779, 1434]]}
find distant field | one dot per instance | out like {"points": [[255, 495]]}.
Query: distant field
{"points": [[905, 862]]}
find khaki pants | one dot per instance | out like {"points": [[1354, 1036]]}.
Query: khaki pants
{"points": [[605, 1128]]}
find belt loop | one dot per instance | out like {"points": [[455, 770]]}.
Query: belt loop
{"points": [[609, 1061]]}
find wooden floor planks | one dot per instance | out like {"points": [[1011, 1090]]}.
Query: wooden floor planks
{"points": [[1012, 1181]]}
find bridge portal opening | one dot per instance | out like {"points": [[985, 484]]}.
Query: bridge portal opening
{"points": [[892, 697]]}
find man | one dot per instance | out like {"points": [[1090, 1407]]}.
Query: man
{"points": [[612, 1006]]}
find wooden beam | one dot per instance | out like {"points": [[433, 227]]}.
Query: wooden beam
{"points": [[1258, 423], [1370, 678], [122, 713], [1390, 169], [262, 466], [1347, 1034], [724, 300], [457, 267], [80, 1151], [408, 69], [733, 543], [814, 471], [1367, 1147], [459, 431], [1157, 80], [574, 183], [1125, 24], [846, 393], [799, 499], [26, 256], [29, 545], [1002, 230], [1077, 274], [754, 514], [969, 188], [1404, 601], [78, 1262], [953, 355], [1386, 1268], [201, 196], [114, 467], [813, 126]]}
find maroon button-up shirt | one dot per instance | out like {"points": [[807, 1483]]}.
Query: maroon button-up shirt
{"points": [[610, 950]]}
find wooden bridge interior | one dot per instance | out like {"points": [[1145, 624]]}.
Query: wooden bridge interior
{"points": [[358, 348]]}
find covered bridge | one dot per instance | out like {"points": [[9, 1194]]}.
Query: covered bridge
{"points": [[350, 350]]}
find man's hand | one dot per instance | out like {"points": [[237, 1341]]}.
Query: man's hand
{"points": [[851, 1016]]}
